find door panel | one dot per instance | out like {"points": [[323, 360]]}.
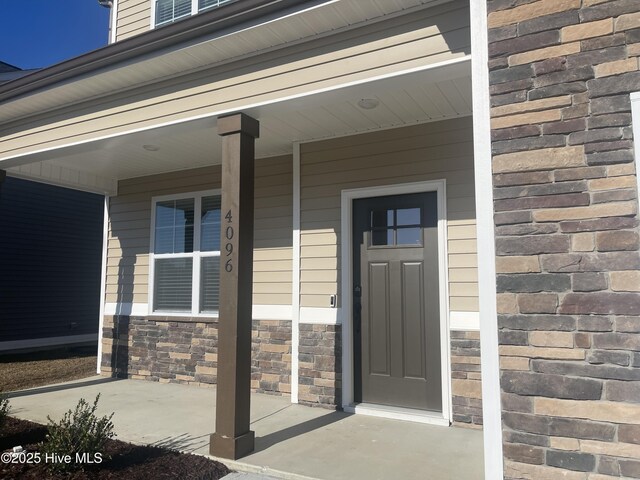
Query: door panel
{"points": [[412, 315], [396, 301], [378, 328]]}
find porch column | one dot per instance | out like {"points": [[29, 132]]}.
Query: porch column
{"points": [[233, 439]]}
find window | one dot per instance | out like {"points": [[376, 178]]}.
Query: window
{"points": [[185, 254], [168, 11]]}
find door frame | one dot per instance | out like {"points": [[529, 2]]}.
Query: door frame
{"points": [[347, 197]]}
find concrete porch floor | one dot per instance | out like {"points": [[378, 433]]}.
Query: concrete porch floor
{"points": [[292, 441]]}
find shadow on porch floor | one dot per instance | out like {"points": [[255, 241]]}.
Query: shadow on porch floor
{"points": [[291, 439]]}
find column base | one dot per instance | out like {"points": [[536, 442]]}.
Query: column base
{"points": [[232, 448]]}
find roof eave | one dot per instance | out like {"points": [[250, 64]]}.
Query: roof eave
{"points": [[227, 16]]}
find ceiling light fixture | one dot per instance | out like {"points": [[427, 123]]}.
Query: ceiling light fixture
{"points": [[368, 103], [151, 148]]}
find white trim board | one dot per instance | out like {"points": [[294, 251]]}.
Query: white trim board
{"points": [[635, 124], [47, 342], [295, 275], [489, 358], [464, 320], [272, 312], [321, 315], [103, 278], [260, 312], [307, 315], [135, 309], [347, 197]]}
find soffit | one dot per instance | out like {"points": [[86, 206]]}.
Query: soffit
{"points": [[429, 95], [222, 47]]}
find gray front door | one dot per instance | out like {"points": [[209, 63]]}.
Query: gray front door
{"points": [[396, 301]]}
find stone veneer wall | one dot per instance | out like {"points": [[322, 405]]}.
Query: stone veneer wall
{"points": [[320, 365], [566, 235], [271, 356], [187, 352], [320, 374], [466, 383]]}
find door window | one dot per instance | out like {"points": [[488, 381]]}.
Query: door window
{"points": [[396, 226]]}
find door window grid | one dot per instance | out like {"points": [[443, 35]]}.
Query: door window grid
{"points": [[396, 226]]}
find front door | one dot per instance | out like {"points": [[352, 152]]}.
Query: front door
{"points": [[396, 301]]}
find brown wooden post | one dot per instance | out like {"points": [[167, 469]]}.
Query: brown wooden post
{"points": [[233, 439]]}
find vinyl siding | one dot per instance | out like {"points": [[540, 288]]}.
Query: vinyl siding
{"points": [[442, 150], [424, 38], [133, 18], [130, 224], [50, 260]]}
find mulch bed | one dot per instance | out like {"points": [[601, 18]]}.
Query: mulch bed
{"points": [[127, 461]]}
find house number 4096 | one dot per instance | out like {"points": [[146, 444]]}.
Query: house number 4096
{"points": [[228, 233]]}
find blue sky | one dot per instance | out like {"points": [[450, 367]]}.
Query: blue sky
{"points": [[40, 33]]}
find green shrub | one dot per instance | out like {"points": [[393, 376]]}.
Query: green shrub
{"points": [[79, 432], [4, 409]]}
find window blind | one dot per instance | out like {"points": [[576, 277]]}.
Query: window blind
{"points": [[173, 284], [170, 10], [205, 4], [209, 284]]}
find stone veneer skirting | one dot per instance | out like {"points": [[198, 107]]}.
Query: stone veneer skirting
{"points": [[466, 386], [174, 351], [320, 365]]}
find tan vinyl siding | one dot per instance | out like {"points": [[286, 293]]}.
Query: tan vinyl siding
{"points": [[435, 35], [442, 150], [129, 230], [134, 17]]}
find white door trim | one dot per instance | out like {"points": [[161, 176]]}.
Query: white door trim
{"points": [[347, 197]]}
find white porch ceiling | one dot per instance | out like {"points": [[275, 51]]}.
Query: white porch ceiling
{"points": [[429, 95]]}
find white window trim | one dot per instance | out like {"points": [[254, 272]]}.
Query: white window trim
{"points": [[194, 8], [194, 11], [196, 254]]}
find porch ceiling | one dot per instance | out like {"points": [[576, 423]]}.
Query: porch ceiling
{"points": [[429, 95]]}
